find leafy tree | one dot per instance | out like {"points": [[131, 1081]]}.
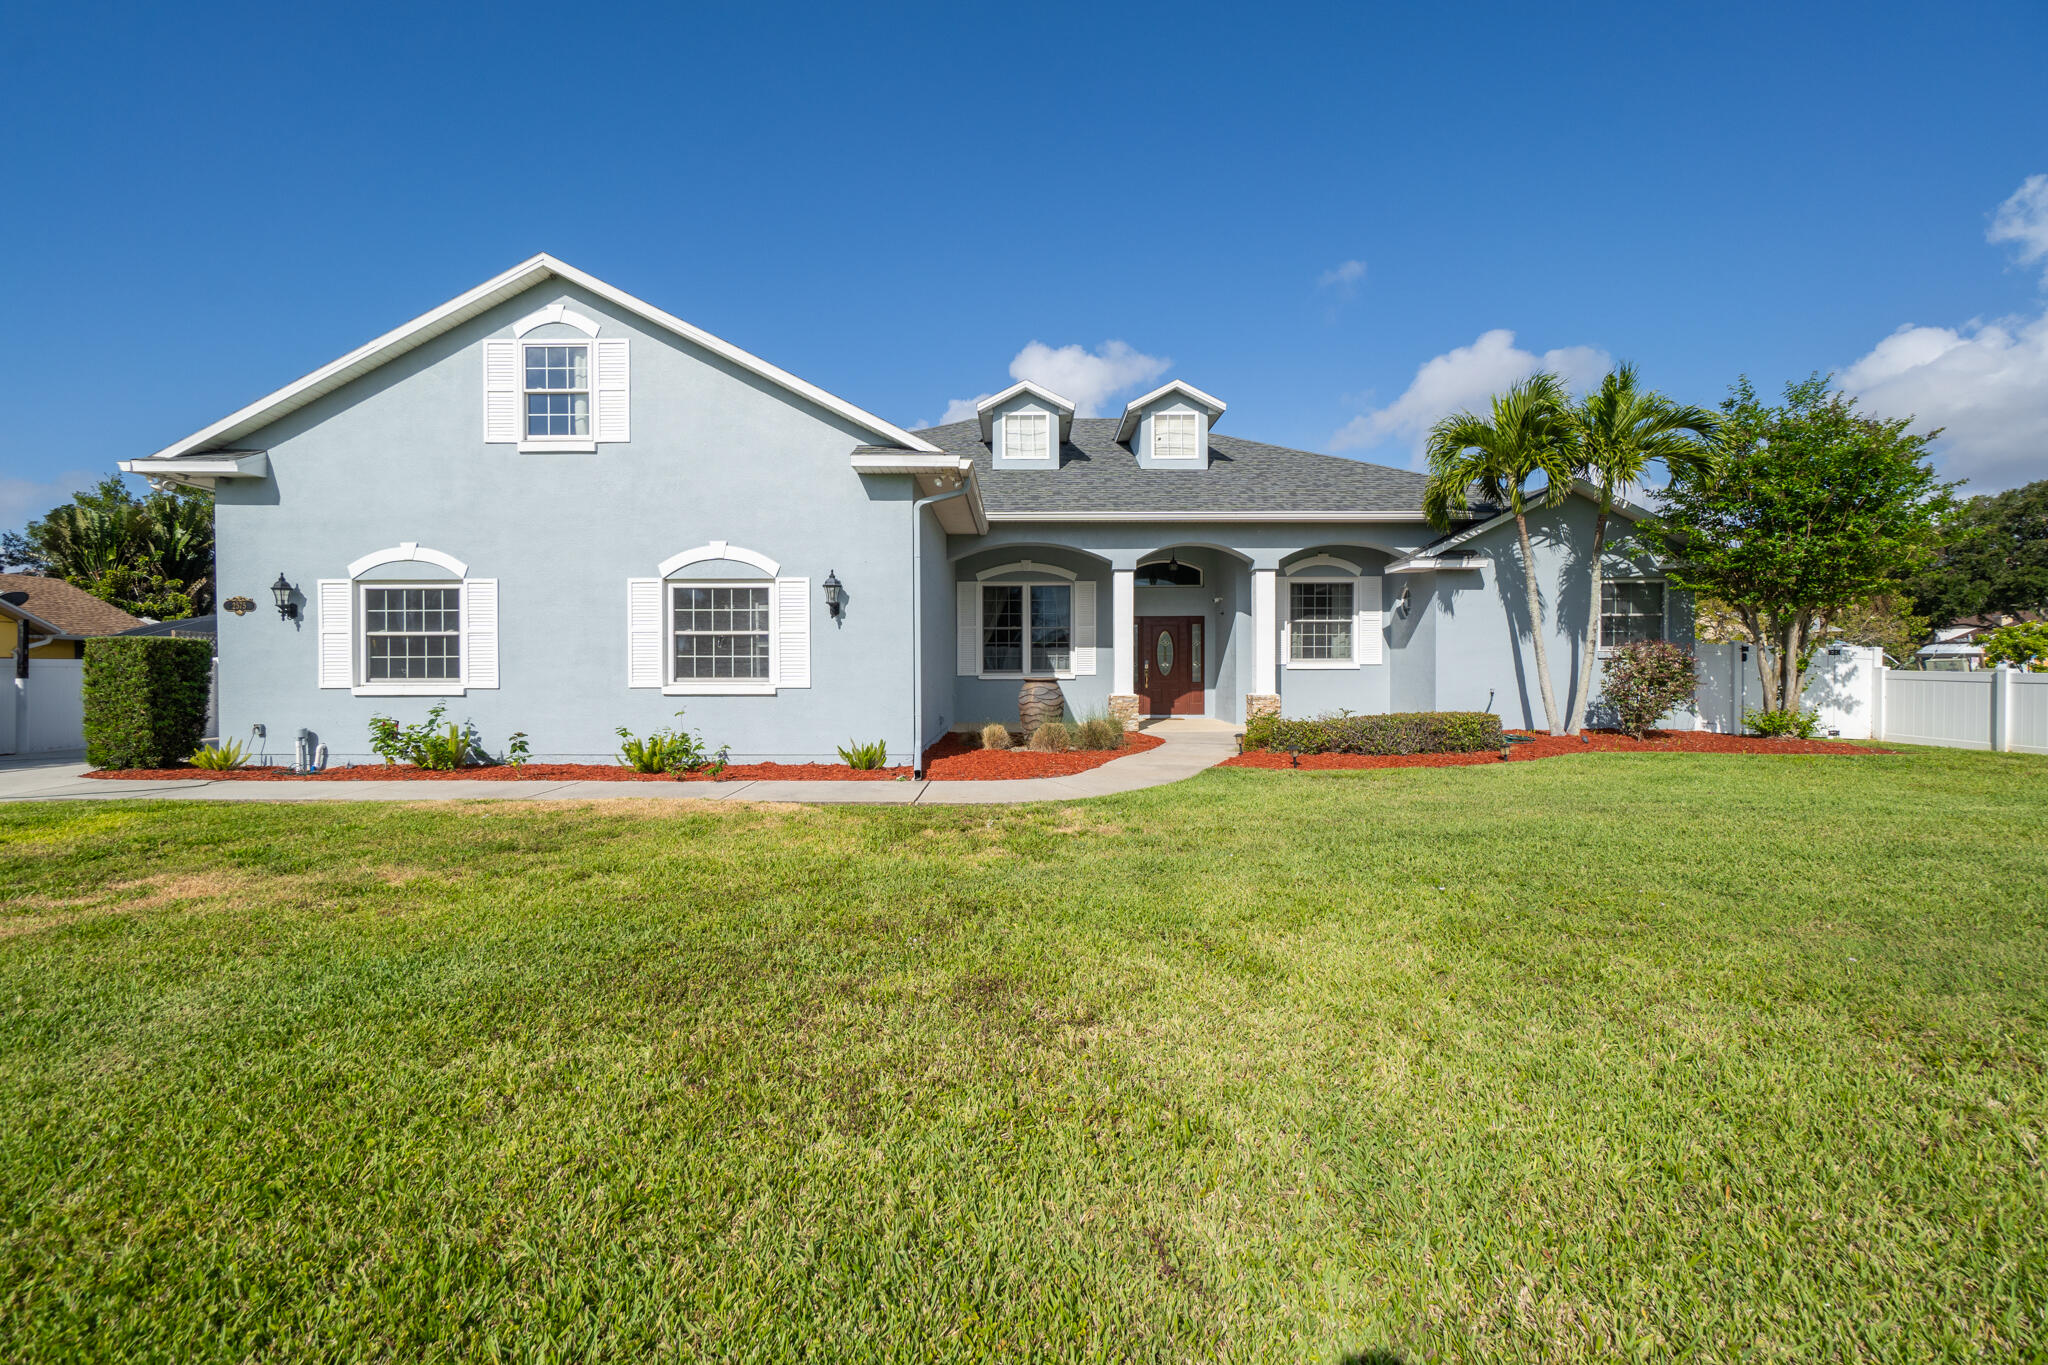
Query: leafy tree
{"points": [[1528, 434], [1886, 621], [152, 556], [1993, 557], [1807, 510], [2022, 646], [1620, 429]]}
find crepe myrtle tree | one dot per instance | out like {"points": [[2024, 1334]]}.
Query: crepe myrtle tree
{"points": [[1620, 430], [1528, 434], [1807, 508]]}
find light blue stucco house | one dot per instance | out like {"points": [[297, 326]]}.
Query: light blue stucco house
{"points": [[559, 510]]}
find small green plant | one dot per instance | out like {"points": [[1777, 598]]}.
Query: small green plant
{"points": [[1783, 724], [1098, 732], [516, 750], [996, 735], [1053, 737], [228, 757], [865, 757], [675, 750], [429, 744]]}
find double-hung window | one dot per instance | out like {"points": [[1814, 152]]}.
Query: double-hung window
{"points": [[1175, 436], [1027, 624], [720, 631], [1630, 611], [1026, 436], [557, 391], [412, 634], [1320, 619]]}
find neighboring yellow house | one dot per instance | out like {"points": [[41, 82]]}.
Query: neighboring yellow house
{"points": [[58, 617]]}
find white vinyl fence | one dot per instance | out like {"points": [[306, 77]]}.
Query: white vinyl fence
{"points": [[1857, 697], [44, 711]]}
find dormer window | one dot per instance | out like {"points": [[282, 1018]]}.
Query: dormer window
{"points": [[557, 391], [1025, 436], [1176, 436]]}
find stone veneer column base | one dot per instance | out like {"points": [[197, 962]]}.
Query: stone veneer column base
{"points": [[1123, 707], [1258, 704]]}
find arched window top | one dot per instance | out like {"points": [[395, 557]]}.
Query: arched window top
{"points": [[404, 552], [718, 549], [556, 312], [1169, 573]]}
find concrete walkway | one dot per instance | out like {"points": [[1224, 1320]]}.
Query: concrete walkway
{"points": [[1191, 746]]}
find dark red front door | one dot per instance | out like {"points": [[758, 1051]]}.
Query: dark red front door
{"points": [[1169, 665]]}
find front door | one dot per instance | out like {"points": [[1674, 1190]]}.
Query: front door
{"points": [[1169, 665]]}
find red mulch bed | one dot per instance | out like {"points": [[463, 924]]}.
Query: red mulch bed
{"points": [[1546, 746], [956, 758]]}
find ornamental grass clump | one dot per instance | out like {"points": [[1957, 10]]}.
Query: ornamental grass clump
{"points": [[1645, 680], [225, 759], [1099, 733], [865, 758], [996, 735], [1414, 732], [1053, 737]]}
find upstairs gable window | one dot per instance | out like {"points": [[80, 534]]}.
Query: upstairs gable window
{"points": [[1175, 436], [558, 391], [1025, 436]]}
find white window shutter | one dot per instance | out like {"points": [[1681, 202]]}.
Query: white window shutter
{"points": [[1368, 644], [614, 391], [479, 632], [1283, 609], [501, 392], [643, 632], [792, 632], [1084, 629], [337, 632], [967, 624]]}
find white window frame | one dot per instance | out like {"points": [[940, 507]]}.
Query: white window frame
{"points": [[981, 626], [1194, 421], [1287, 586], [672, 686], [1045, 428], [365, 686], [586, 443], [1663, 606]]}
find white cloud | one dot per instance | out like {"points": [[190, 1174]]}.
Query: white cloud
{"points": [[1465, 378], [25, 500], [2023, 221], [1343, 278], [1986, 383], [1089, 379]]}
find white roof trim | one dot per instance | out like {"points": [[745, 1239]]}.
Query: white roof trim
{"points": [[200, 471], [556, 312], [718, 549], [1414, 516], [1133, 410], [1623, 508], [912, 462], [484, 297], [985, 410], [1421, 563], [404, 552]]}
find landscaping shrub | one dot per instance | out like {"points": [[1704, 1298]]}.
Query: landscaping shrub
{"points": [[225, 759], [1645, 680], [430, 744], [1413, 732], [1099, 732], [1783, 724], [145, 699], [1053, 737], [865, 757], [676, 751], [995, 735]]}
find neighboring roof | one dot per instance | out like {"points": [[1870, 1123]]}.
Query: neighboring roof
{"points": [[1127, 425], [1099, 479], [55, 605], [985, 410], [454, 313], [192, 627]]}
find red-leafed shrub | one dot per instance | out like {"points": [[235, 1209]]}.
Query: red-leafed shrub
{"points": [[1645, 680]]}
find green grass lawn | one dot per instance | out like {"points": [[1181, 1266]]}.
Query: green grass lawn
{"points": [[1603, 1056]]}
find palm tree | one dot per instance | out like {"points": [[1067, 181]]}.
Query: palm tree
{"points": [[1529, 434], [1620, 429]]}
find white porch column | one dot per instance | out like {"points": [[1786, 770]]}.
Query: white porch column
{"points": [[1123, 644], [1265, 633]]}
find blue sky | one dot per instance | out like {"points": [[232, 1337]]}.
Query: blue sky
{"points": [[896, 203]]}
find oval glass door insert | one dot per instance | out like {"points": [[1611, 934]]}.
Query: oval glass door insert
{"points": [[1166, 651]]}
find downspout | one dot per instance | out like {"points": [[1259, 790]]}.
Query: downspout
{"points": [[917, 622]]}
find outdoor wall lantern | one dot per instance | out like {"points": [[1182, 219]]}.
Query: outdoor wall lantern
{"points": [[835, 595], [1406, 590], [287, 609]]}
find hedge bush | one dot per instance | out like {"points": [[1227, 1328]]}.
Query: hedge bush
{"points": [[145, 700], [1413, 732]]}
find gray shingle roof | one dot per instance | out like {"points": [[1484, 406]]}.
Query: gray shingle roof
{"points": [[1098, 475]]}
